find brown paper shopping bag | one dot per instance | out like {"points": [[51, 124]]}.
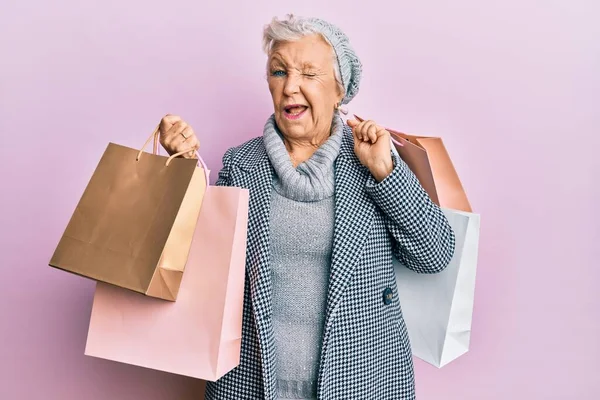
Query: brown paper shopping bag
{"points": [[134, 223], [429, 160], [200, 334]]}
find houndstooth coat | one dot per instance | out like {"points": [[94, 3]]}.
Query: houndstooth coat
{"points": [[366, 351]]}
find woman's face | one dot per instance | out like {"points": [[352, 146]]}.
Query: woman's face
{"points": [[303, 86]]}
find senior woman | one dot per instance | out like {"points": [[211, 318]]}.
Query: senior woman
{"points": [[330, 205]]}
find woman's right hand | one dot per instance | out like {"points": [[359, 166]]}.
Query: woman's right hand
{"points": [[177, 136]]}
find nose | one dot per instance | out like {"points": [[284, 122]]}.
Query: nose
{"points": [[292, 85]]}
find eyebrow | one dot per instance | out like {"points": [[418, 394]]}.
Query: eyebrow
{"points": [[308, 65], [277, 59], [277, 63]]}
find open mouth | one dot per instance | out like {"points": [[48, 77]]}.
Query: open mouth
{"points": [[295, 110]]}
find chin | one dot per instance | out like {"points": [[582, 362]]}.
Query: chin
{"points": [[290, 128], [293, 131]]}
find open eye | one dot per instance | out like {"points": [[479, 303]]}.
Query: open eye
{"points": [[278, 72]]}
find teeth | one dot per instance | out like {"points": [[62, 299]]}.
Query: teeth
{"points": [[295, 110]]}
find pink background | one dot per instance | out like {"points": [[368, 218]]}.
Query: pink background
{"points": [[512, 87]]}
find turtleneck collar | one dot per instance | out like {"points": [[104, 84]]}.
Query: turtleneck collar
{"points": [[313, 179]]}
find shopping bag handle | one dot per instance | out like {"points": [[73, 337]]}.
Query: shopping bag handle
{"points": [[155, 136]]}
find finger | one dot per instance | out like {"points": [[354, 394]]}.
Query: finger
{"points": [[167, 122], [194, 138], [360, 130], [375, 132], [365, 130], [352, 122], [177, 128], [171, 139], [381, 132], [192, 144], [370, 130], [187, 148], [171, 119], [186, 133], [355, 132], [372, 133], [192, 141]]}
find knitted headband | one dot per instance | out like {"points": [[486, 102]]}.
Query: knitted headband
{"points": [[350, 65]]}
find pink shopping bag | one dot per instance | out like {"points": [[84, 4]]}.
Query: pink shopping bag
{"points": [[199, 335]]}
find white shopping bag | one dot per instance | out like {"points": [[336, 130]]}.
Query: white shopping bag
{"points": [[437, 308]]}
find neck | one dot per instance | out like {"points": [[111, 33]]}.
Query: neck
{"points": [[301, 150]]}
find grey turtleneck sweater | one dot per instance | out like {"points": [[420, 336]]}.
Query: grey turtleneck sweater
{"points": [[301, 232]]}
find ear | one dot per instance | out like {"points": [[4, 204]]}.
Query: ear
{"points": [[339, 88]]}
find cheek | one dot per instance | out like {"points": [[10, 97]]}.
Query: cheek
{"points": [[274, 90], [321, 98]]}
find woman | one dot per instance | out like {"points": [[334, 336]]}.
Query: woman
{"points": [[330, 205]]}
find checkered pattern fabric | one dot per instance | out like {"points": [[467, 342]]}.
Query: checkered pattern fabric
{"points": [[366, 350]]}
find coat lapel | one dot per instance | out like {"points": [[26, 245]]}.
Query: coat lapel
{"points": [[353, 219], [259, 181], [256, 174]]}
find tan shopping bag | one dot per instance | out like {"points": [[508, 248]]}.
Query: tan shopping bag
{"points": [[429, 160], [134, 223]]}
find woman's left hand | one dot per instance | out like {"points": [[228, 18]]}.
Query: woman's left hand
{"points": [[372, 147]]}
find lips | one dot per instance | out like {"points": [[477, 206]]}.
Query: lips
{"points": [[295, 109]]}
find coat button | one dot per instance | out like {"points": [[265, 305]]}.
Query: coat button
{"points": [[388, 296]]}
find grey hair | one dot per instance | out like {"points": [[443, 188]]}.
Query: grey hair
{"points": [[295, 28]]}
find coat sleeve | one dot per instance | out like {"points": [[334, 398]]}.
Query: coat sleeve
{"points": [[424, 241], [223, 179]]}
